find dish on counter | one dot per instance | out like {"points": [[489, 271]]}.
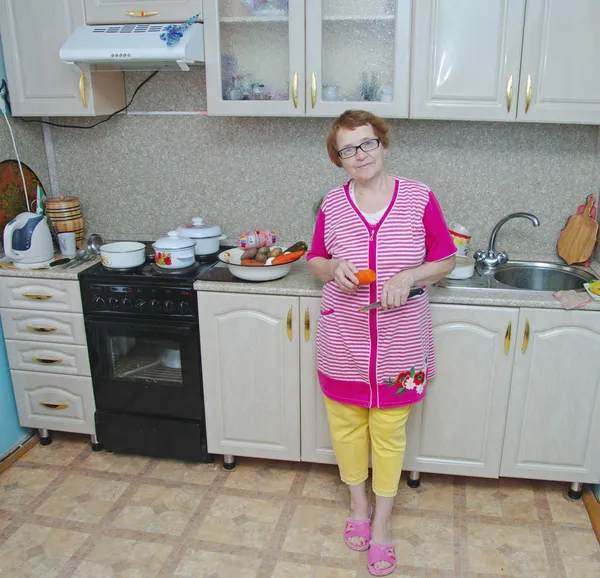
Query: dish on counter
{"points": [[268, 272], [464, 268], [592, 295]]}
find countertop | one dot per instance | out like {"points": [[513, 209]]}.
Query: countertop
{"points": [[300, 283], [48, 272]]}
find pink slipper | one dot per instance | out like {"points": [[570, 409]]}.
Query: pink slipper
{"points": [[382, 553], [358, 529]]}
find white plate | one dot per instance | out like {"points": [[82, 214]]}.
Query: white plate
{"points": [[592, 295], [233, 259]]}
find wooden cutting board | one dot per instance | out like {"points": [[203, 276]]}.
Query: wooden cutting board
{"points": [[578, 238]]}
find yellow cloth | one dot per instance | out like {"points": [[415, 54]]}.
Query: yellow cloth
{"points": [[352, 426]]}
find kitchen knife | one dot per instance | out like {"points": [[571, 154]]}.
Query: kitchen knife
{"points": [[59, 262], [412, 293]]}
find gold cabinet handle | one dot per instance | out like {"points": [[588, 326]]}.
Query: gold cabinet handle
{"points": [[36, 296], [140, 14], [289, 323], [45, 360], [528, 93], [507, 337], [525, 336], [306, 324], [295, 90], [313, 89], [509, 93], [41, 329], [54, 405], [82, 90]]}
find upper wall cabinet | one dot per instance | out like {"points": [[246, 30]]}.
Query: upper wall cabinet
{"points": [[317, 58], [533, 60], [140, 11], [39, 83]]}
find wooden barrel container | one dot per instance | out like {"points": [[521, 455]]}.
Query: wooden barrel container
{"points": [[66, 215]]}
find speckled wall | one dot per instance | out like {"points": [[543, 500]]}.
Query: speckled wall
{"points": [[139, 176]]}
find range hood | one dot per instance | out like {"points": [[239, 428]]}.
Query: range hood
{"points": [[132, 47]]}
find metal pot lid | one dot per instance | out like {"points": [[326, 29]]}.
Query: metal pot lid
{"points": [[199, 229], [173, 240]]}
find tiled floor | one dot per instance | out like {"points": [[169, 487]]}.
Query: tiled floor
{"points": [[66, 511]]}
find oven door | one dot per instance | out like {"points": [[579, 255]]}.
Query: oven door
{"points": [[146, 367]]}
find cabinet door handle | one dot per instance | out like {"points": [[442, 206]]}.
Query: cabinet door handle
{"points": [[54, 405], [313, 89], [509, 93], [528, 93], [295, 90], [45, 360], [289, 323], [36, 296], [306, 324], [525, 336], [82, 90], [507, 337], [140, 14], [41, 329]]}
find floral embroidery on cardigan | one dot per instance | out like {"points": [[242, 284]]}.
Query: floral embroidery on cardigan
{"points": [[408, 380]]}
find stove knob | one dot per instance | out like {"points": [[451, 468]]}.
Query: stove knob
{"points": [[155, 304], [126, 304], [184, 308], [99, 302], [113, 302], [169, 307], [139, 303]]}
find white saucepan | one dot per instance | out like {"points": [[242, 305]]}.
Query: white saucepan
{"points": [[122, 255]]}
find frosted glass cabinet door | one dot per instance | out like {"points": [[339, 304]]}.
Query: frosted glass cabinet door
{"points": [[357, 56], [466, 56], [254, 57]]}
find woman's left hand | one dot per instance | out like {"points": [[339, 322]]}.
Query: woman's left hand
{"points": [[395, 291]]}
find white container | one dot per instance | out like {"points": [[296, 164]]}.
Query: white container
{"points": [[464, 269], [123, 255], [205, 236], [67, 243], [233, 259], [174, 251], [461, 237]]}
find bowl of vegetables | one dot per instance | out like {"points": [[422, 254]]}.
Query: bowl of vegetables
{"points": [[264, 263]]}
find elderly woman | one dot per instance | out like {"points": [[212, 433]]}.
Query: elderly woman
{"points": [[373, 366]]}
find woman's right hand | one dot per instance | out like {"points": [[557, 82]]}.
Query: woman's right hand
{"points": [[343, 275]]}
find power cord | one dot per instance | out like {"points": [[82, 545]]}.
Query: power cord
{"points": [[100, 121]]}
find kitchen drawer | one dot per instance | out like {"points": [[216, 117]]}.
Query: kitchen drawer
{"points": [[42, 326], [54, 402], [40, 294], [52, 358]]}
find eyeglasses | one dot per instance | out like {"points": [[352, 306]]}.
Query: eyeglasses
{"points": [[368, 145]]}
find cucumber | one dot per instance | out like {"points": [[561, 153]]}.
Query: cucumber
{"points": [[299, 246]]}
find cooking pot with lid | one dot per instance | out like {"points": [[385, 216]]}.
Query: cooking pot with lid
{"points": [[205, 236]]}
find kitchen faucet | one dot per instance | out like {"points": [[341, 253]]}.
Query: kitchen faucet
{"points": [[491, 258]]}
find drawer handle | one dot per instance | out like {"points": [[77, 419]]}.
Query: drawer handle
{"points": [[36, 296], [313, 89], [306, 324], [295, 90], [525, 336], [140, 14], [41, 329], [54, 405], [528, 93], [82, 90], [290, 332], [45, 360], [507, 338], [509, 93]]}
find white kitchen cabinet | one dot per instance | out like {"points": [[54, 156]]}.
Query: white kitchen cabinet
{"points": [[559, 67], [466, 58], [40, 294], [251, 374], [459, 427], [140, 11], [43, 326], [553, 425], [314, 58], [316, 441], [40, 84], [50, 358]]}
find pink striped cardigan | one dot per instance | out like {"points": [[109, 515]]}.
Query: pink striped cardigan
{"points": [[381, 358]]}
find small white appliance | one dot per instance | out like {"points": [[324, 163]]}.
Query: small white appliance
{"points": [[28, 241]]}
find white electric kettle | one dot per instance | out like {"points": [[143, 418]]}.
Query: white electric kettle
{"points": [[27, 241]]}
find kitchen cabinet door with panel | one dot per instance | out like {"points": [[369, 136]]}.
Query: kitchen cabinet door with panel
{"points": [[250, 370], [553, 424], [459, 427], [316, 441], [39, 83], [254, 57], [560, 74], [357, 56], [140, 11], [466, 58]]}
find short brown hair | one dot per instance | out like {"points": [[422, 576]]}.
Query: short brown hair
{"points": [[352, 119]]}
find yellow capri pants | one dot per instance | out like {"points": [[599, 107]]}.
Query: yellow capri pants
{"points": [[351, 428]]}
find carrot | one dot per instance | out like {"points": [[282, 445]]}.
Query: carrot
{"points": [[252, 263], [366, 276], [288, 257]]}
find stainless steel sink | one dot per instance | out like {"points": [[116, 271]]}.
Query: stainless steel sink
{"points": [[524, 276]]}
